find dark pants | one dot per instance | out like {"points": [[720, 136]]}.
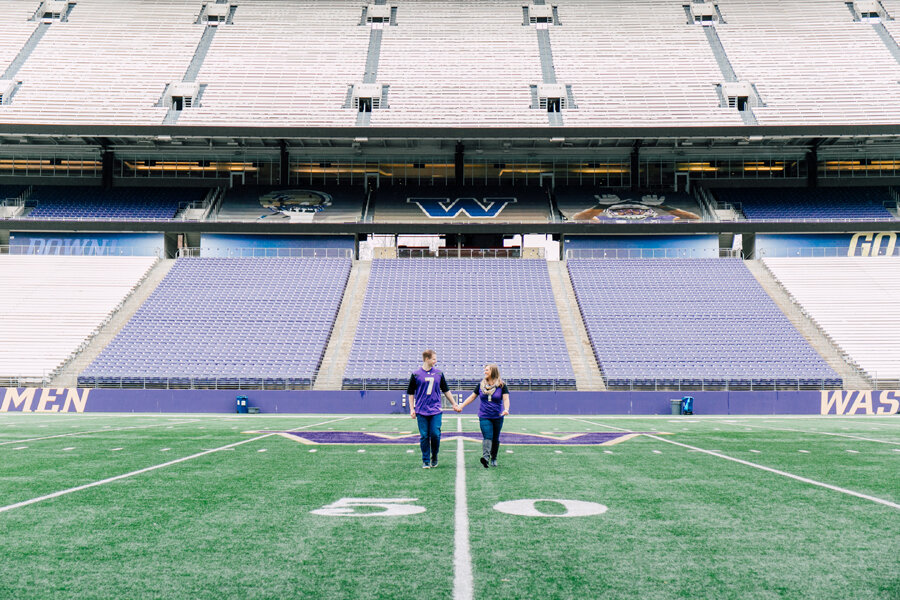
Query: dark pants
{"points": [[429, 436], [490, 429]]}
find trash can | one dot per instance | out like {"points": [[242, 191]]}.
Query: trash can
{"points": [[676, 406], [240, 404], [687, 405]]}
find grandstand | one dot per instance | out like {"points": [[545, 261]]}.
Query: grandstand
{"points": [[853, 204], [471, 312], [449, 64], [661, 322], [128, 204], [228, 323], [54, 304], [636, 209], [853, 301]]}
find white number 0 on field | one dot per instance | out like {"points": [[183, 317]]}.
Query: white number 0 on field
{"points": [[370, 507]]}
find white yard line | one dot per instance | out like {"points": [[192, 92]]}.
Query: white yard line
{"points": [[782, 473], [764, 468], [845, 435], [146, 469], [462, 558], [49, 437]]}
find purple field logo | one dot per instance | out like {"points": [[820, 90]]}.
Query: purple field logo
{"points": [[515, 439]]}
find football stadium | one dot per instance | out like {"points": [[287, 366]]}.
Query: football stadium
{"points": [[629, 268]]}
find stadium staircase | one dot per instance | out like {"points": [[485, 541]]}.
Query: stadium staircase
{"points": [[587, 374], [67, 375], [334, 362], [853, 377]]}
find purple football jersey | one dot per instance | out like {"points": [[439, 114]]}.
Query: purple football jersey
{"points": [[428, 388], [491, 406]]}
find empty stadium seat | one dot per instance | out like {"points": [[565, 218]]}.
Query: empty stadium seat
{"points": [[471, 312], [53, 304], [690, 322], [228, 322], [854, 301]]}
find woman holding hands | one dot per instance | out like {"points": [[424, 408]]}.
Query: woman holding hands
{"points": [[494, 397]]}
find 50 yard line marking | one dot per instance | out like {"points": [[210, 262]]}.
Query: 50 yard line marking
{"points": [[462, 559], [764, 468], [148, 469]]}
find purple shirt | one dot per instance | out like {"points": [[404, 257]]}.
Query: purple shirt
{"points": [[427, 386], [491, 406]]}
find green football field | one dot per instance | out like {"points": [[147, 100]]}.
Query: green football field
{"points": [[227, 506]]}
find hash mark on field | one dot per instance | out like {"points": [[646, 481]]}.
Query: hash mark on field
{"points": [[314, 450], [409, 451], [509, 451], [115, 449], [361, 450], [657, 452], [853, 451], [803, 451], [755, 451], [558, 451], [67, 449], [607, 452], [20, 448], [261, 450]]}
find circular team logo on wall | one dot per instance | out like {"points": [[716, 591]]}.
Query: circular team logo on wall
{"points": [[630, 212], [295, 205]]}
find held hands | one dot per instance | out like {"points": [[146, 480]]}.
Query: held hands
{"points": [[457, 408]]}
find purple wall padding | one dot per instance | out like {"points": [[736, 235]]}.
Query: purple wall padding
{"points": [[385, 402]]}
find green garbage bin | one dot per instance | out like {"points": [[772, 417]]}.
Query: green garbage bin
{"points": [[676, 406]]}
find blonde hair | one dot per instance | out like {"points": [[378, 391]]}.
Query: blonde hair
{"points": [[494, 374]]}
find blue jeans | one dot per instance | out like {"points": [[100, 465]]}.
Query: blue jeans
{"points": [[429, 436], [490, 429]]}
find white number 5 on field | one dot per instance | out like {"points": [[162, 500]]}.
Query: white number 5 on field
{"points": [[370, 507]]}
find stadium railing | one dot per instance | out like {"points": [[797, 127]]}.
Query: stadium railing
{"points": [[826, 252], [195, 252], [464, 253], [652, 253]]}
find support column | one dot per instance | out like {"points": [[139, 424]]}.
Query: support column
{"points": [[285, 165], [107, 162], [459, 163], [636, 165], [812, 166]]}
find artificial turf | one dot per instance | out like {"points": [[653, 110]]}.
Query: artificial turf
{"points": [[237, 523]]}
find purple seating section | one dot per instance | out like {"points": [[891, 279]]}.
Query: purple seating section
{"points": [[852, 204], [61, 203], [690, 322], [471, 312], [228, 322], [267, 321]]}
